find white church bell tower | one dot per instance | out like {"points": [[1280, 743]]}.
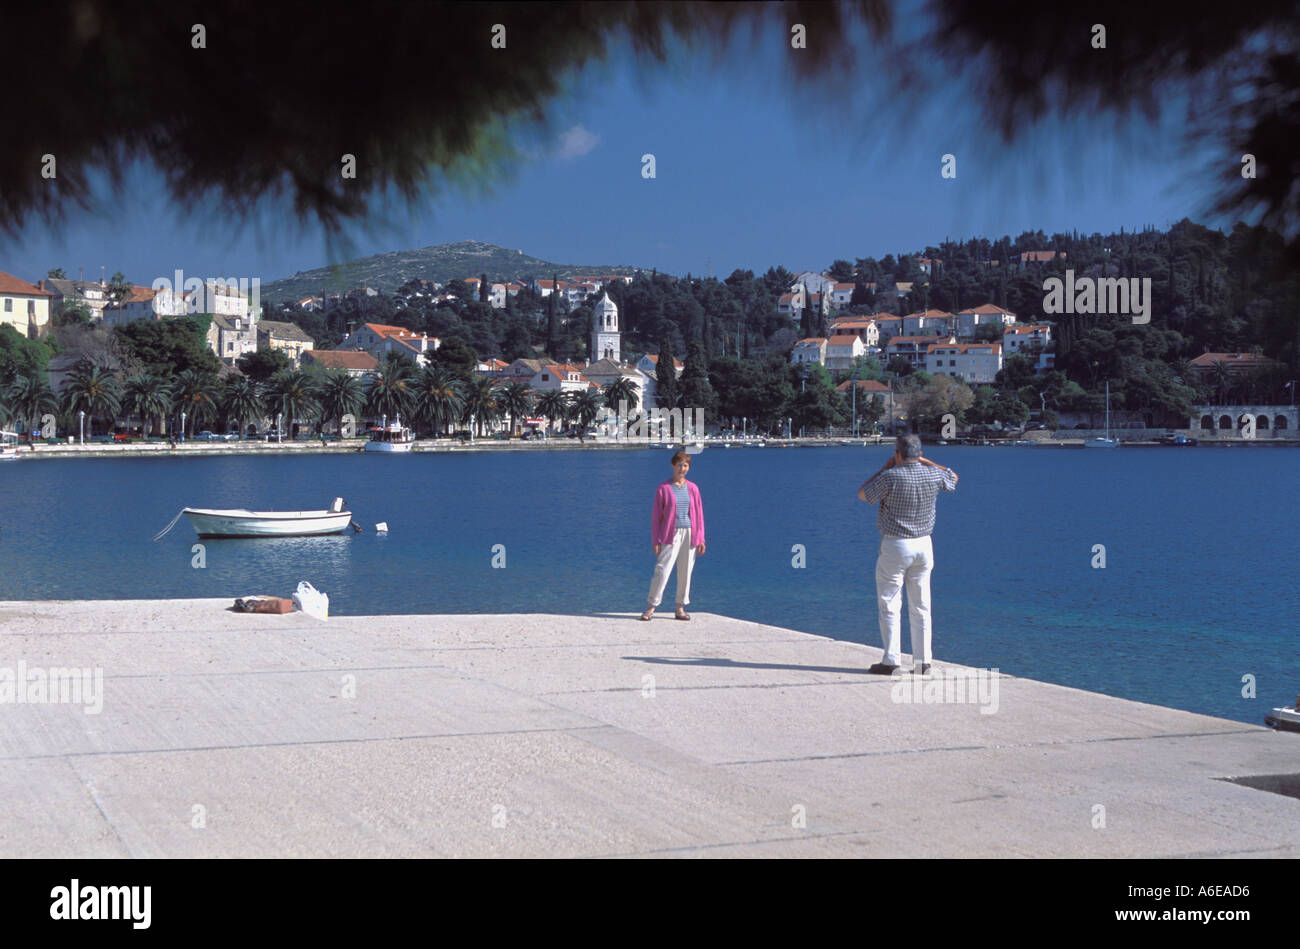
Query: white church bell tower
{"points": [[604, 330]]}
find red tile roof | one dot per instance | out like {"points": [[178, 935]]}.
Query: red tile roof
{"points": [[341, 358], [987, 308], [846, 340], [12, 285], [399, 333]]}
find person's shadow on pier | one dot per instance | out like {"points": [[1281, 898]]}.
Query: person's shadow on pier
{"points": [[733, 664]]}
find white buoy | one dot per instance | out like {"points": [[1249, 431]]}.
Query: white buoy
{"points": [[381, 527]]}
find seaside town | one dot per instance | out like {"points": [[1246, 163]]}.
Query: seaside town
{"points": [[849, 351], [1010, 294]]}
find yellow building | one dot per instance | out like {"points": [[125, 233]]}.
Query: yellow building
{"points": [[24, 307], [286, 336]]}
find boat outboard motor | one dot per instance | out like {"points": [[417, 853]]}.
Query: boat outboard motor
{"points": [[337, 506]]}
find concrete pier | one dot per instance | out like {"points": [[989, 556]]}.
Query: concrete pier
{"points": [[234, 735]]}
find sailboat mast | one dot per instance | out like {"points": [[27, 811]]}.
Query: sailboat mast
{"points": [[1108, 408]]}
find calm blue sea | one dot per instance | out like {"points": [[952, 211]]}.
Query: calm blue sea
{"points": [[1199, 587]]}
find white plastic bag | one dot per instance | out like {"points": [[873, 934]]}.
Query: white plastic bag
{"points": [[311, 601]]}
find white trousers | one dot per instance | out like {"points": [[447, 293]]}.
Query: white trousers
{"points": [[681, 551], [910, 560]]}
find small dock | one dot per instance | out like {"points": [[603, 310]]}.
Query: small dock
{"points": [[238, 735]]}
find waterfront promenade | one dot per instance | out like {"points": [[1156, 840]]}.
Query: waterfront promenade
{"points": [[236, 735], [314, 446]]}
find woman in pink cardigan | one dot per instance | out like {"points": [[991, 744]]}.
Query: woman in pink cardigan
{"points": [[676, 533]]}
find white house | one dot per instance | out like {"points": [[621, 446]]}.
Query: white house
{"points": [[933, 322], [792, 303], [842, 350], [841, 295], [812, 349], [1031, 340], [137, 306], [975, 363], [973, 317], [377, 339], [560, 376], [815, 282], [863, 327], [911, 348], [648, 366]]}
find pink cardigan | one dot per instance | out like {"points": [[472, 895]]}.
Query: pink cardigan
{"points": [[664, 519]]}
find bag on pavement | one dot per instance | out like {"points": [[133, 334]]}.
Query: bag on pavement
{"points": [[311, 601]]}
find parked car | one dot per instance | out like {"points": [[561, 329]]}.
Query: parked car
{"points": [[206, 436]]}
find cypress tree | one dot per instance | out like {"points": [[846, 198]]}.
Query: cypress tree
{"points": [[550, 318], [666, 375]]}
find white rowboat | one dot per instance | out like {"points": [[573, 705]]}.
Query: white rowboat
{"points": [[242, 523]]}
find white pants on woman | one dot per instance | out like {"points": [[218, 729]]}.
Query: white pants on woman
{"points": [[904, 560], [681, 550]]}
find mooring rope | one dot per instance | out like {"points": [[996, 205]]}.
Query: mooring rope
{"points": [[164, 531]]}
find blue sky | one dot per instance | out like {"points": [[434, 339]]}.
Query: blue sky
{"points": [[751, 172]]}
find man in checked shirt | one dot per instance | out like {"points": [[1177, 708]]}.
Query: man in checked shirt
{"points": [[905, 489]]}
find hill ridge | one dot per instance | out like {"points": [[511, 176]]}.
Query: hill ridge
{"points": [[438, 262]]}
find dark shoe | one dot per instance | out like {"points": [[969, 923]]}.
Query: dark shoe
{"points": [[923, 669], [881, 669]]}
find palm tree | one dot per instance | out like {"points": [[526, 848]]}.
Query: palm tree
{"points": [[196, 396], [586, 405], [516, 399], [28, 397], [440, 397], [292, 393], [242, 400], [341, 394], [93, 390], [553, 405], [392, 392], [481, 402], [622, 389], [149, 397]]}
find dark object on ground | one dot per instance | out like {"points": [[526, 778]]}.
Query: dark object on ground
{"points": [[264, 604], [881, 669]]}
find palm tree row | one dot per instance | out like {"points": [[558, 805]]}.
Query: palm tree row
{"points": [[431, 396]]}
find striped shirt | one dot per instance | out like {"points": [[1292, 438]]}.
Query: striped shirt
{"points": [[906, 494], [683, 505]]}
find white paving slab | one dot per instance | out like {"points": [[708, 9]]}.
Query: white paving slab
{"points": [[545, 735]]}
